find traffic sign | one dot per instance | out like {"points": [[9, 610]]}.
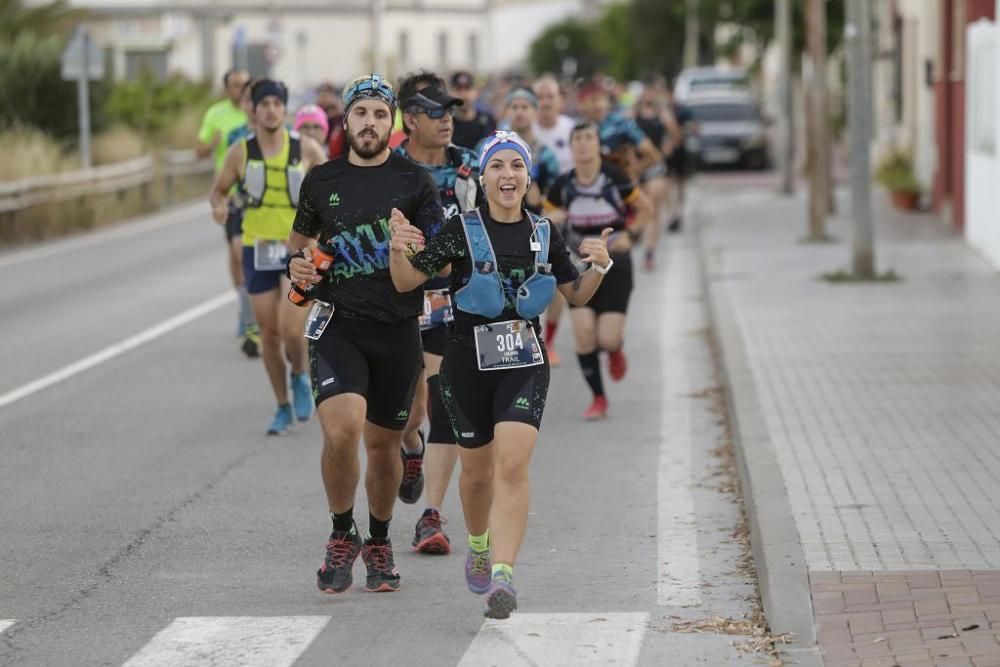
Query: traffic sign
{"points": [[81, 53]]}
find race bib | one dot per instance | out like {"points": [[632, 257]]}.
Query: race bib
{"points": [[319, 317], [437, 309], [269, 255], [510, 344]]}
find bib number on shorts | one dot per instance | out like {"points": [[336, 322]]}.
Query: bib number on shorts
{"points": [[319, 317], [269, 255], [437, 309], [510, 344]]}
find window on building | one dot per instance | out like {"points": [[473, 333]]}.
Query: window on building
{"points": [[442, 50], [138, 63], [474, 51], [404, 48]]}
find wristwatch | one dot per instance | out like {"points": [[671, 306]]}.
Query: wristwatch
{"points": [[607, 268]]}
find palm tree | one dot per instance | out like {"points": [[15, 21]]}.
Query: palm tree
{"points": [[54, 17]]}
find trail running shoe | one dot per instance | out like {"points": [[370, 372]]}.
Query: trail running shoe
{"points": [[477, 571], [428, 537], [334, 576], [501, 598], [675, 225], [412, 484], [302, 397], [597, 410], [617, 365], [251, 341], [282, 420], [382, 573]]}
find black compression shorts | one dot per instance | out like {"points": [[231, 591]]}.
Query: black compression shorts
{"points": [[477, 400], [378, 361], [616, 288], [434, 340]]}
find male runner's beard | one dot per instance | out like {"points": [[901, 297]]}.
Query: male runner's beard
{"points": [[361, 143]]}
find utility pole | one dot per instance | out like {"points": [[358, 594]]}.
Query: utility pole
{"points": [[692, 28], [859, 109], [819, 165], [786, 117]]}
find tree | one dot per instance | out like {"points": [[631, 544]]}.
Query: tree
{"points": [[563, 43], [613, 39], [757, 16], [53, 18]]}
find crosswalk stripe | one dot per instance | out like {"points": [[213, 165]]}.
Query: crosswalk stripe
{"points": [[6, 623], [213, 641], [559, 640], [679, 580]]}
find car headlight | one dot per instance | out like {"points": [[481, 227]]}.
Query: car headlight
{"points": [[755, 140]]}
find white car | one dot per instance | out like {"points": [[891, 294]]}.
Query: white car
{"points": [[697, 80]]}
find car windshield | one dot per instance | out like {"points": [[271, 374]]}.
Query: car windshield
{"points": [[719, 82], [723, 112]]}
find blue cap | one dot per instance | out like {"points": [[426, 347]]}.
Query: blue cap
{"points": [[504, 140], [372, 87]]}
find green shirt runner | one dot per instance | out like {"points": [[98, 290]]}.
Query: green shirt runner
{"points": [[220, 119]]}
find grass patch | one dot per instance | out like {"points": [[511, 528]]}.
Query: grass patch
{"points": [[30, 152], [849, 278]]}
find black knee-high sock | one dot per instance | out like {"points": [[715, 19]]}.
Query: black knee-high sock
{"points": [[590, 364]]}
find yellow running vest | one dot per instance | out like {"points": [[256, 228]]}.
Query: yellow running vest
{"points": [[270, 211]]}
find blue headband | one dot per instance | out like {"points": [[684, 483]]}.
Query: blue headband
{"points": [[521, 94], [500, 141]]}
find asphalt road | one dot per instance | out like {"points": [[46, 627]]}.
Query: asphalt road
{"points": [[146, 518]]}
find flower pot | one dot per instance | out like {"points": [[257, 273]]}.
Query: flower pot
{"points": [[905, 200]]}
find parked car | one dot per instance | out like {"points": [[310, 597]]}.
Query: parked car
{"points": [[697, 80], [729, 130]]}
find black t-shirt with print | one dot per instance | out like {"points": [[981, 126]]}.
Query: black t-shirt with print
{"points": [[515, 264], [347, 208]]}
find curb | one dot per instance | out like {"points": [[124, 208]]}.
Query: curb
{"points": [[777, 552]]}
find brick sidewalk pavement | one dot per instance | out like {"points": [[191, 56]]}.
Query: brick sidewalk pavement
{"points": [[881, 403]]}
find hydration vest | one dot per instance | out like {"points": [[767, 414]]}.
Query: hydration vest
{"points": [[483, 294], [465, 184], [255, 173]]}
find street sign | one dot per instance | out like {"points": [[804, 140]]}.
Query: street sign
{"points": [[82, 52]]}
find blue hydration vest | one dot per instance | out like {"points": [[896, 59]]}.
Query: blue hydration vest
{"points": [[484, 294]]}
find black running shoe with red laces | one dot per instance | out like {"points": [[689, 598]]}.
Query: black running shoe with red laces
{"points": [[428, 536], [382, 573], [334, 576], [413, 473]]}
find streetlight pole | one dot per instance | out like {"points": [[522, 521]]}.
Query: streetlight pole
{"points": [[859, 108]]}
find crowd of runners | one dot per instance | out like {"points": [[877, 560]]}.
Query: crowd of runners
{"points": [[404, 252]]}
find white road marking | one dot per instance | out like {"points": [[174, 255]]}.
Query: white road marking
{"points": [[163, 219], [679, 580], [558, 640], [6, 623], [248, 641], [117, 349]]}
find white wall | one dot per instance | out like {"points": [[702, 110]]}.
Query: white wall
{"points": [[982, 154]]}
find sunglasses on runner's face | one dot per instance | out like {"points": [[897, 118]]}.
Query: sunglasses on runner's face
{"points": [[437, 114]]}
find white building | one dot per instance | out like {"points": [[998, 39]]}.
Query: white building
{"points": [[306, 41]]}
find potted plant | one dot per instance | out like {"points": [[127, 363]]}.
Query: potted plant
{"points": [[895, 173]]}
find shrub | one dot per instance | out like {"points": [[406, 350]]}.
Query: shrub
{"points": [[149, 105], [895, 172], [117, 144]]}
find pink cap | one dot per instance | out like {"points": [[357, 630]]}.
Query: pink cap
{"points": [[311, 113]]}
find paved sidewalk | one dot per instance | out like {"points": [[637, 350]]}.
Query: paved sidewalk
{"points": [[880, 404]]}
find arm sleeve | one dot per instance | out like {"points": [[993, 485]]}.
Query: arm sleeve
{"points": [[633, 131], [207, 129], [443, 249], [562, 266], [428, 213], [307, 219]]}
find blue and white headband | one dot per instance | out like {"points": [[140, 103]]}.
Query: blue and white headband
{"points": [[504, 140]]}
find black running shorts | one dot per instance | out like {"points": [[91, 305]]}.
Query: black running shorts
{"points": [[477, 400], [379, 361], [616, 288]]}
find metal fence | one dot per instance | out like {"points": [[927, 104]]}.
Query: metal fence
{"points": [[112, 178]]}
